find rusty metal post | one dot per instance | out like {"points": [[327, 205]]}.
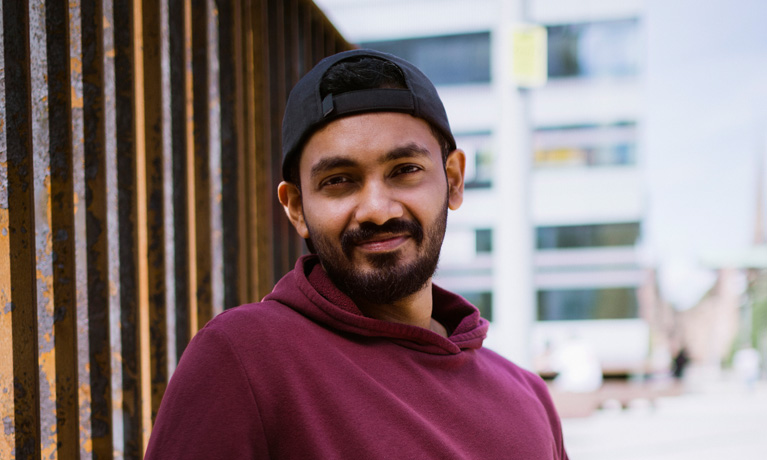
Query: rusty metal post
{"points": [[201, 163], [260, 158], [63, 171], [97, 146], [279, 86], [23, 412], [232, 153], [130, 251], [43, 241], [7, 438], [155, 185], [180, 131]]}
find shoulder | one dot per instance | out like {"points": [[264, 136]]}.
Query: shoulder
{"points": [[244, 328], [259, 329], [495, 359], [532, 390], [249, 319], [245, 338], [521, 376]]}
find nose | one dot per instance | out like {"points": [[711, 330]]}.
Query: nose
{"points": [[377, 204]]}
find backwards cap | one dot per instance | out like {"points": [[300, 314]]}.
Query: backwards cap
{"points": [[306, 111]]}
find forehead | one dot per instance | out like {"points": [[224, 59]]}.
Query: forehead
{"points": [[366, 137]]}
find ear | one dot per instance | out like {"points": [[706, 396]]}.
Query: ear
{"points": [[290, 198], [454, 170]]}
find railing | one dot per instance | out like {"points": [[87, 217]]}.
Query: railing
{"points": [[139, 158]]}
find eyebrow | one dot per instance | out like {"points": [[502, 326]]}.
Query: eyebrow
{"points": [[406, 151], [329, 163]]}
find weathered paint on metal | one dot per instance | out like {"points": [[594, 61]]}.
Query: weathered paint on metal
{"points": [[247, 179], [216, 286], [142, 133], [191, 186], [41, 184], [231, 142], [62, 203], [127, 208], [156, 365], [23, 308], [168, 215], [178, 127], [97, 89], [7, 418], [6, 326], [81, 354], [114, 441], [261, 158], [201, 160]]}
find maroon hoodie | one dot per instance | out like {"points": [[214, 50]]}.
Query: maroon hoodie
{"points": [[304, 375]]}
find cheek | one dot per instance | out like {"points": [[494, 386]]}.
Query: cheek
{"points": [[429, 200], [328, 219]]}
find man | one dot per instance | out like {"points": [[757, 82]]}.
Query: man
{"points": [[355, 353]]}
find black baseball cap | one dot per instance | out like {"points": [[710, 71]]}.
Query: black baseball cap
{"points": [[306, 111]]}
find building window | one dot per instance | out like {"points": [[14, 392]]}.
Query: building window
{"points": [[585, 145], [597, 49], [447, 59], [483, 300], [484, 240], [479, 158], [586, 236], [585, 304]]}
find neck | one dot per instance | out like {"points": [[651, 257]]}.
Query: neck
{"points": [[414, 310]]}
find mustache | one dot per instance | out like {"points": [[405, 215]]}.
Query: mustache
{"points": [[369, 230]]}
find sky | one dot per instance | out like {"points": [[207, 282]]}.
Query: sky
{"points": [[706, 125]]}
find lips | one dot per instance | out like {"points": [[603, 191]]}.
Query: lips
{"points": [[370, 237], [382, 243]]}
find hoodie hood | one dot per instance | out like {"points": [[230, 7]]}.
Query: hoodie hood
{"points": [[308, 290]]}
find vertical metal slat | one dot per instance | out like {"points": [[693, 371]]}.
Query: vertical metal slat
{"points": [[7, 438], [97, 247], [62, 169], [179, 41], [260, 161], [22, 292], [153, 131], [130, 252], [201, 160], [235, 268]]}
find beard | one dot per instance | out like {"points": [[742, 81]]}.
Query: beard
{"points": [[390, 279]]}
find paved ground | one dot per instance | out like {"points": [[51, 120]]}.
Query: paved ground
{"points": [[711, 419]]}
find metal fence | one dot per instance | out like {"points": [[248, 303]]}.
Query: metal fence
{"points": [[139, 155]]}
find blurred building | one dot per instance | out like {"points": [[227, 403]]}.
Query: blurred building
{"points": [[547, 243], [587, 182]]}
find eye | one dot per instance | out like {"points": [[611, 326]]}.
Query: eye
{"points": [[335, 181], [406, 169]]}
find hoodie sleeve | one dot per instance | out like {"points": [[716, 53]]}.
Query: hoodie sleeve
{"points": [[554, 421], [208, 410]]}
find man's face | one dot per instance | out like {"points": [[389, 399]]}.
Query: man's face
{"points": [[373, 200]]}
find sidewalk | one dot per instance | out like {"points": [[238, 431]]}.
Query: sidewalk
{"points": [[718, 420]]}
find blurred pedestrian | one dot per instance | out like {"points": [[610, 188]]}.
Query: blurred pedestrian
{"points": [[680, 363]]}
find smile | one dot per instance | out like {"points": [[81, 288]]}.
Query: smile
{"points": [[383, 244]]}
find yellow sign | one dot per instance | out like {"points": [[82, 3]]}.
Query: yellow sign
{"points": [[529, 66]]}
